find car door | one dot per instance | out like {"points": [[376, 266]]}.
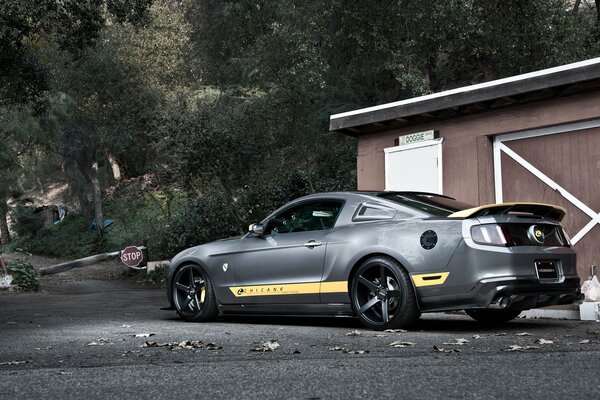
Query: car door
{"points": [[285, 264]]}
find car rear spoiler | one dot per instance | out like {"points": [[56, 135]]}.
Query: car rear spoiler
{"points": [[535, 209]]}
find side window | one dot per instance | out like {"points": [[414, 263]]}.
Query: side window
{"points": [[314, 216], [372, 211]]}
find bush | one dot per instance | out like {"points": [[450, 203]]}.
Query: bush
{"points": [[159, 275], [202, 220], [68, 239], [24, 275]]}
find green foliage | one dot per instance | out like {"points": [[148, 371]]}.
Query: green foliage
{"points": [[26, 222], [69, 239], [204, 219], [158, 275], [225, 103], [24, 275]]}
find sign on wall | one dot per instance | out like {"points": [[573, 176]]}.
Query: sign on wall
{"points": [[416, 137]]}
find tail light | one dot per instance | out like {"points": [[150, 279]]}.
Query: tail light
{"points": [[520, 234], [490, 234]]}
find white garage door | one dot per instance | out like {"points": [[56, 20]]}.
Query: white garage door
{"points": [[414, 167]]}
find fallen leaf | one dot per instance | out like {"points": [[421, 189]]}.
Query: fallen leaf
{"points": [[399, 343], [356, 351], [212, 346], [396, 330], [296, 351], [16, 362], [516, 347], [187, 345], [125, 326], [143, 334], [99, 342], [269, 345], [353, 333], [500, 334], [584, 341], [544, 341], [336, 348], [380, 335], [154, 344], [523, 334], [458, 342], [11, 323], [442, 350], [478, 337]]}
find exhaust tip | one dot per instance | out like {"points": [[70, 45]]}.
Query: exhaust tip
{"points": [[501, 302]]}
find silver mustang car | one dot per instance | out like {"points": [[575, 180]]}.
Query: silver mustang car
{"points": [[385, 257]]}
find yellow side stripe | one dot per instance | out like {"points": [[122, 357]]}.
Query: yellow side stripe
{"points": [[437, 278], [334, 287], [290, 289]]}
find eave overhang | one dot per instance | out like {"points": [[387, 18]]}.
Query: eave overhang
{"points": [[539, 85]]}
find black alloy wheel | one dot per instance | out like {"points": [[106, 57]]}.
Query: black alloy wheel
{"points": [[383, 296], [193, 294]]}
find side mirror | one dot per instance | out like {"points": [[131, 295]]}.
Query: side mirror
{"points": [[257, 229]]}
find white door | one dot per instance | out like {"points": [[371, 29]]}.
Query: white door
{"points": [[414, 167]]}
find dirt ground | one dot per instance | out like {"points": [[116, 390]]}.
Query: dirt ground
{"points": [[78, 280]]}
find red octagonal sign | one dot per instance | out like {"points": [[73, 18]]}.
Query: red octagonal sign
{"points": [[132, 256]]}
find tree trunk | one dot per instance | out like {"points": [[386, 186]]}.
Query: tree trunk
{"points": [[4, 231], [78, 187], [241, 223], [95, 180], [114, 165]]}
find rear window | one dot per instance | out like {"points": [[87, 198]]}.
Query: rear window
{"points": [[439, 206]]}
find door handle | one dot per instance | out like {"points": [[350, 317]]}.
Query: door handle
{"points": [[312, 243]]}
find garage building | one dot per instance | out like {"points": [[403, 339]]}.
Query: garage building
{"points": [[532, 137]]}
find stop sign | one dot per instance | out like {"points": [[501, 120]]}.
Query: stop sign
{"points": [[132, 256]]}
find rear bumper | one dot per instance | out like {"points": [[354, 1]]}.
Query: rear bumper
{"points": [[518, 293]]}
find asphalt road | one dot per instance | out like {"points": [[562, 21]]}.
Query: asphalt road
{"points": [[76, 339]]}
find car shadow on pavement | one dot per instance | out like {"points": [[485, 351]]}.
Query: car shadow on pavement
{"points": [[439, 323]]}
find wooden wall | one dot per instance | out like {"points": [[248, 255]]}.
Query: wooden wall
{"points": [[573, 161]]}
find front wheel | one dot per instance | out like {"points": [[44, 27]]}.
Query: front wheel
{"points": [[383, 296], [193, 294], [488, 316]]}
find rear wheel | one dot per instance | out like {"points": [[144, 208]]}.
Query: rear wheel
{"points": [[193, 294], [382, 295], [493, 316]]}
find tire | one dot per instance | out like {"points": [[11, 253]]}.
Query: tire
{"points": [[193, 295], [487, 316], [378, 306]]}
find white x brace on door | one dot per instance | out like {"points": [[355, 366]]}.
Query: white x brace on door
{"points": [[500, 147]]}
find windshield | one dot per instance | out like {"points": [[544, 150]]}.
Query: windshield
{"points": [[433, 204]]}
